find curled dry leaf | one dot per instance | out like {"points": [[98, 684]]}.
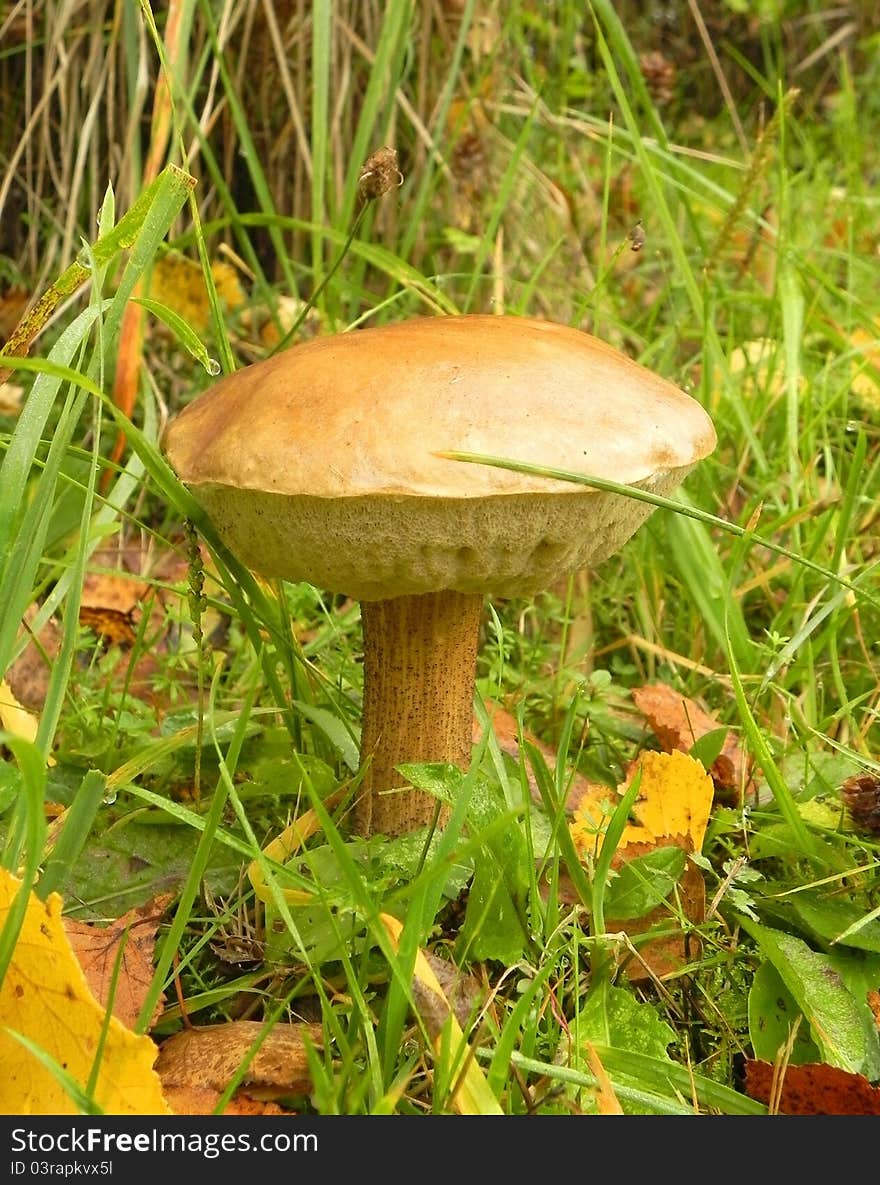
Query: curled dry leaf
{"points": [[461, 990], [98, 948], [208, 1058], [471, 1095], [813, 1089], [678, 723]]}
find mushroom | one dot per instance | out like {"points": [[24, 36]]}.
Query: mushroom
{"points": [[322, 464]]}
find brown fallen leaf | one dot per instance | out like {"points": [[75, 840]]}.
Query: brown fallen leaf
{"points": [[813, 1089], [28, 676], [97, 949], [664, 954], [461, 990], [471, 1094], [209, 1057], [13, 302], [679, 722], [112, 592], [506, 729]]}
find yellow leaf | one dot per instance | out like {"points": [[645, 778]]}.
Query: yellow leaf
{"points": [[284, 847], [675, 800], [472, 1095], [45, 998], [13, 717], [17, 719], [607, 1102], [177, 282]]}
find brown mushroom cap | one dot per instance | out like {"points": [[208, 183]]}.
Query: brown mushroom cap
{"points": [[320, 464]]}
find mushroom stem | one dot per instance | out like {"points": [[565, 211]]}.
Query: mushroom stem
{"points": [[420, 656]]}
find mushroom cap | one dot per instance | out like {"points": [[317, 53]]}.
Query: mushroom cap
{"points": [[321, 464]]}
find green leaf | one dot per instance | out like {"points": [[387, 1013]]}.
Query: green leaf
{"points": [[438, 778], [773, 1011], [493, 924], [182, 330], [708, 748], [841, 1025], [643, 883], [833, 919], [334, 729], [612, 1016]]}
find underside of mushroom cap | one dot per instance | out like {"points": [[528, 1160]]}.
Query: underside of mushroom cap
{"points": [[322, 463]]}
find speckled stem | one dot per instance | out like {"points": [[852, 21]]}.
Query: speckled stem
{"points": [[420, 655]]}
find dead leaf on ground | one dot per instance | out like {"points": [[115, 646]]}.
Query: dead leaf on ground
{"points": [[110, 600], [664, 955], [813, 1089], [674, 802], [207, 1058], [28, 676], [13, 302], [506, 729], [679, 722], [865, 384], [97, 949], [472, 1094], [45, 998], [672, 809]]}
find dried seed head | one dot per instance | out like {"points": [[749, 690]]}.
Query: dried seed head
{"points": [[379, 175], [861, 797]]}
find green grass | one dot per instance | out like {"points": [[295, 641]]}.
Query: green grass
{"points": [[757, 592]]}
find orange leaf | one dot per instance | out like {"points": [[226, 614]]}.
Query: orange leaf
{"points": [[97, 948], [813, 1089], [678, 723], [673, 807]]}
